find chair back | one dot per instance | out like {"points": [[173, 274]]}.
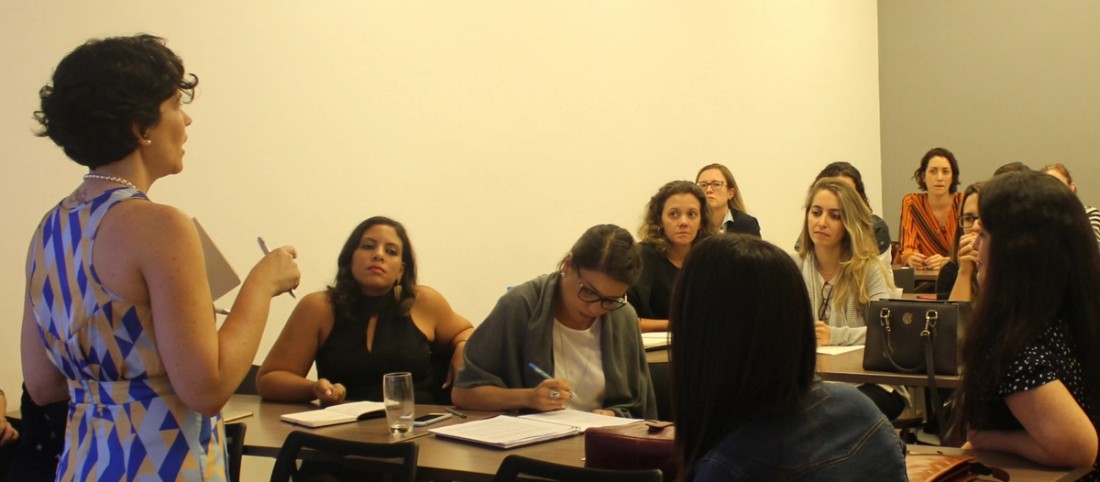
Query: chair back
{"points": [[234, 446], [514, 466], [397, 461]]}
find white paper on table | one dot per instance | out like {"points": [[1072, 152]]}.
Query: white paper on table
{"points": [[837, 350]]}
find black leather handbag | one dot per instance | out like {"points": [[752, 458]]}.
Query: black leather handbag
{"points": [[911, 336]]}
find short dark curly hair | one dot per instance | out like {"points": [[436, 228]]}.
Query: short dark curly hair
{"points": [[103, 89], [918, 175]]}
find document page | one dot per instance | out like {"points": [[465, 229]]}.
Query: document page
{"points": [[506, 432], [579, 419], [837, 350]]}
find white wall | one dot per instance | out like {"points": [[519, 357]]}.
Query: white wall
{"points": [[496, 131]]}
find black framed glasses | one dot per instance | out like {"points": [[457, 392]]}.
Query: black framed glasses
{"points": [[967, 220], [704, 185], [825, 310], [590, 295]]}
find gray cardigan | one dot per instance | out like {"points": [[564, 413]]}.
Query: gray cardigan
{"points": [[518, 331]]}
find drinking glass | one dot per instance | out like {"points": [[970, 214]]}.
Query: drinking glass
{"points": [[397, 394]]}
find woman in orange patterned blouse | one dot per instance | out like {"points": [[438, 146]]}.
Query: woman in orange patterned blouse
{"points": [[928, 219]]}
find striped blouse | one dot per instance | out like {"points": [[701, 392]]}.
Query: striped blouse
{"points": [[921, 232]]}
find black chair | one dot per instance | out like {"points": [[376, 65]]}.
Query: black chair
{"points": [[395, 462], [516, 465], [234, 446]]}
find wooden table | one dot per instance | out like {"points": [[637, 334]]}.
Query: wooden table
{"points": [[442, 459], [848, 367], [439, 459]]}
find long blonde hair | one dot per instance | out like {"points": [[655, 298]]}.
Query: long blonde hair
{"points": [[736, 202], [859, 251]]}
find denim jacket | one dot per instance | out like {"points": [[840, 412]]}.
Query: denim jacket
{"points": [[840, 436]]}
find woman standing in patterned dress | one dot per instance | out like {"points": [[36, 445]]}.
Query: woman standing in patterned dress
{"points": [[118, 315], [1029, 383]]}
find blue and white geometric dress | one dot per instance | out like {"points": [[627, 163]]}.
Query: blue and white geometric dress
{"points": [[125, 420]]}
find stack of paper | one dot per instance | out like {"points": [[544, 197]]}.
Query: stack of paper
{"points": [[656, 340], [506, 431]]}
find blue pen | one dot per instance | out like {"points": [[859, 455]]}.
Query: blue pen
{"points": [[542, 373]]}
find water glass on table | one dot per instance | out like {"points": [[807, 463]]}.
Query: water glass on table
{"points": [[397, 395]]}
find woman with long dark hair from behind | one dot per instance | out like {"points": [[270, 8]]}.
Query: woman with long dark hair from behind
{"points": [[1029, 382], [749, 407]]}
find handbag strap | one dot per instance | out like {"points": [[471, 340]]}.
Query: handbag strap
{"points": [[887, 348], [930, 319]]}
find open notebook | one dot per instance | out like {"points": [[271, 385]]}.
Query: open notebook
{"points": [[336, 414], [505, 431]]}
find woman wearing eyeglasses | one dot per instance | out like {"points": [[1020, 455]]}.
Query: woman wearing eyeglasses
{"points": [[839, 261], [573, 325], [676, 218], [1030, 364], [958, 279], [727, 208]]}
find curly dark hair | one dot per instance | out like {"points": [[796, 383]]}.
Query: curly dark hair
{"points": [[345, 293], [918, 175], [105, 89], [650, 230]]}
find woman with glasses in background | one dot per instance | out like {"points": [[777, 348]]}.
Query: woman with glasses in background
{"points": [[958, 279], [676, 218], [565, 339], [838, 258], [727, 208]]}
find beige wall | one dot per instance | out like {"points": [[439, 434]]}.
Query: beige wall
{"points": [[995, 81], [496, 131]]}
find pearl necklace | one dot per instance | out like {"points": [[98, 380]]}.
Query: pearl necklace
{"points": [[118, 180]]}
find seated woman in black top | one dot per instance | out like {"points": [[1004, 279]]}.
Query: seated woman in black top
{"points": [[374, 320], [958, 279], [727, 207], [676, 218], [1030, 381]]}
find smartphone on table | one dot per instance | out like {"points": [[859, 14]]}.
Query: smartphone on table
{"points": [[430, 418]]}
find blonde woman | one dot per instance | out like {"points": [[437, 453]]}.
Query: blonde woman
{"points": [[839, 261]]}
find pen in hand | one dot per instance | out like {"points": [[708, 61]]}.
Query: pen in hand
{"points": [[456, 412], [263, 247], [546, 376]]}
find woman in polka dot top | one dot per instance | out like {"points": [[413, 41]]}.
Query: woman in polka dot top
{"points": [[1031, 381]]}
